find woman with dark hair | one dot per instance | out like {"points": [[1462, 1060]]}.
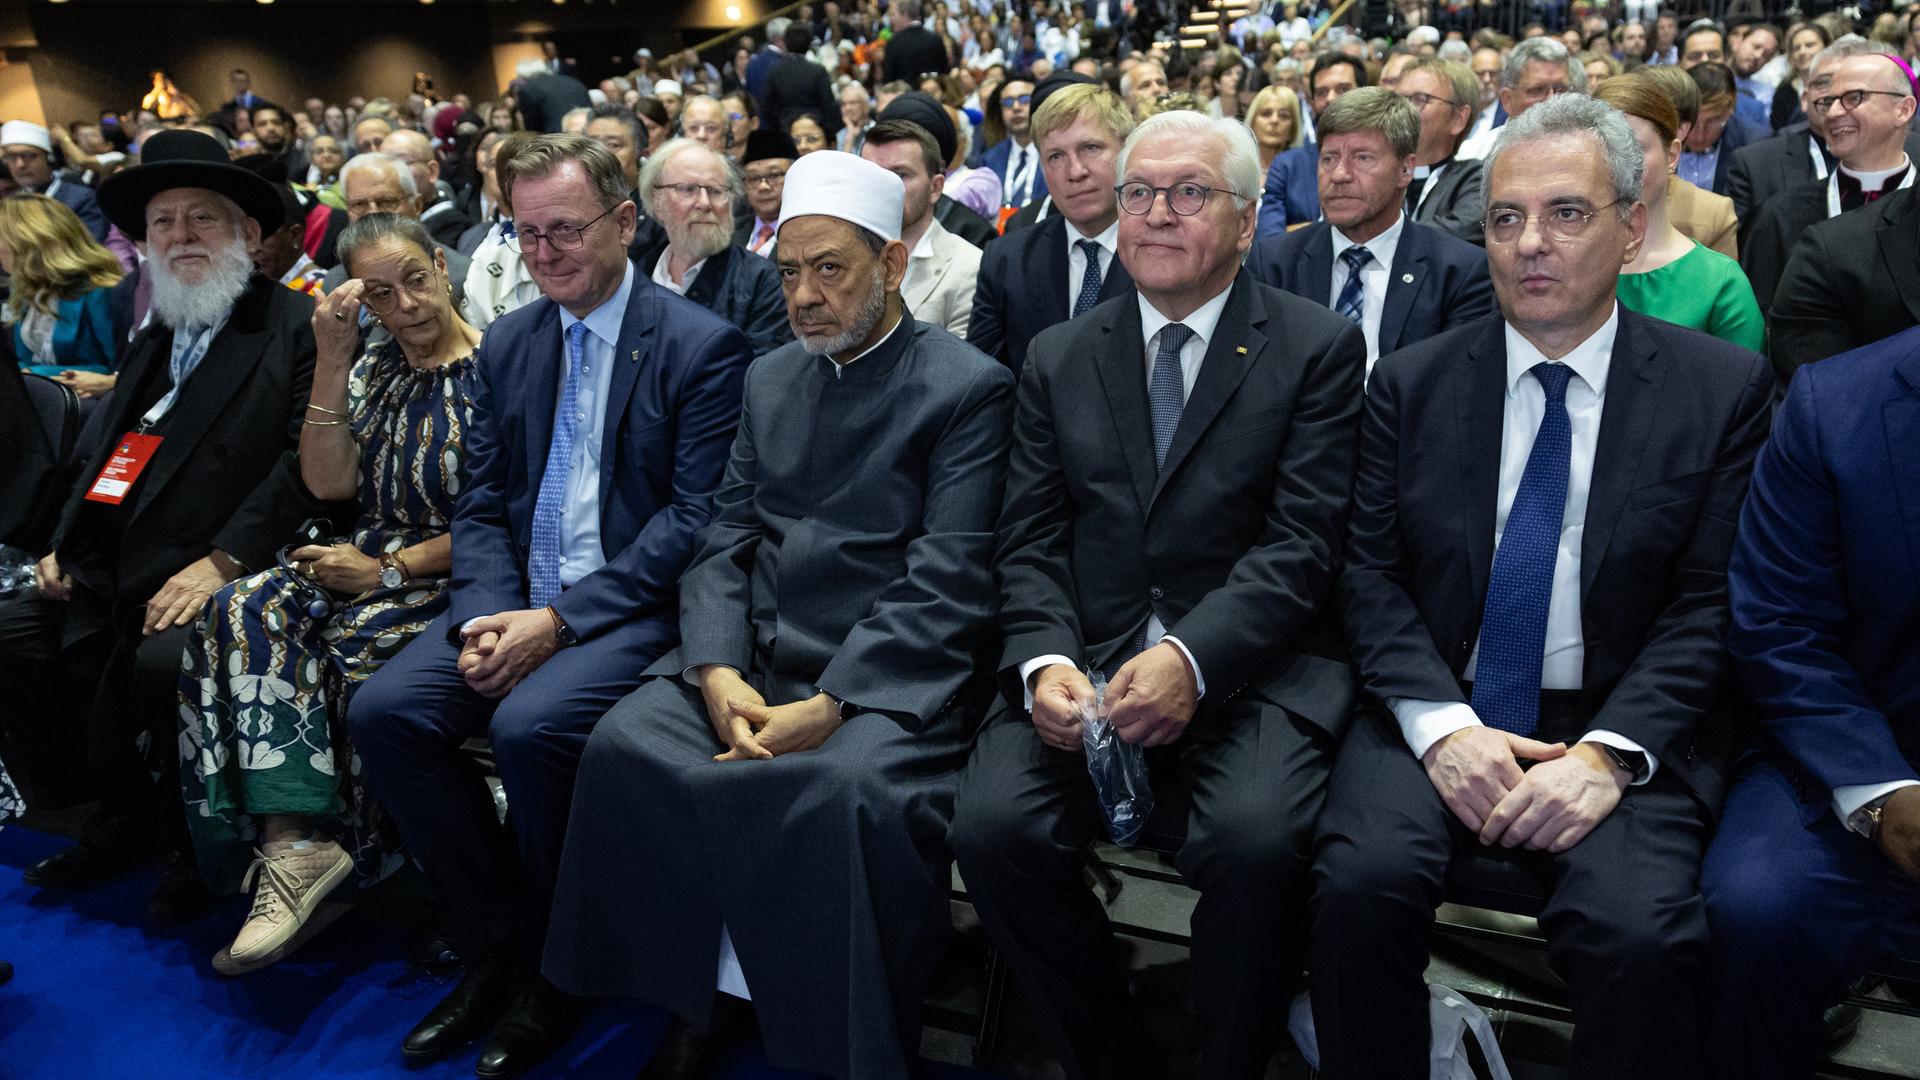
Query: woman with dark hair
{"points": [[273, 789], [653, 116], [743, 115], [809, 133]]}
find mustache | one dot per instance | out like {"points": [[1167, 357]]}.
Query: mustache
{"points": [[188, 250], [817, 313]]}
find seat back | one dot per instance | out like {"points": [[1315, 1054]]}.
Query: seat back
{"points": [[39, 420]]}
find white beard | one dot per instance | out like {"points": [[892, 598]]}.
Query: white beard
{"points": [[177, 304], [699, 242]]}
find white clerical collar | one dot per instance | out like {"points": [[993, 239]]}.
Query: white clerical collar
{"points": [[1590, 359], [1202, 320], [1875, 179]]}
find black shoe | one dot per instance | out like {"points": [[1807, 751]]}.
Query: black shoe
{"points": [[540, 1020], [689, 1054], [82, 865], [179, 895], [475, 1003]]}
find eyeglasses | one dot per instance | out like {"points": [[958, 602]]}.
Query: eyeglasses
{"points": [[689, 192], [558, 238], [382, 299], [735, 117], [1184, 199], [768, 179], [1010, 101], [1421, 99], [1537, 94], [389, 205], [1565, 222], [1849, 101]]}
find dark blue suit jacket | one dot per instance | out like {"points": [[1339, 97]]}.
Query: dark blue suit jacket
{"points": [[81, 200], [1022, 290], [1825, 578], [1292, 194], [996, 159], [1449, 285], [672, 409]]}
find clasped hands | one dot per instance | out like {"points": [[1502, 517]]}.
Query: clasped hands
{"points": [[1549, 807], [1149, 701], [752, 730], [498, 651]]}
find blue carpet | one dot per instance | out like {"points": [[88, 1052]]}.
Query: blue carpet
{"points": [[95, 995]]}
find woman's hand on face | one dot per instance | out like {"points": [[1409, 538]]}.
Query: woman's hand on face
{"points": [[336, 320]]}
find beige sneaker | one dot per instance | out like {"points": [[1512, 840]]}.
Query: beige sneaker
{"points": [[292, 883]]}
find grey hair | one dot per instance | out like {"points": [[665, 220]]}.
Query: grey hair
{"points": [[378, 162], [1457, 51], [777, 29], [1240, 163], [1545, 50], [375, 228], [1575, 114], [527, 69], [1843, 47], [1126, 77], [657, 163]]}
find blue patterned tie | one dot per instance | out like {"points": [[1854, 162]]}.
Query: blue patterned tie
{"points": [[1166, 391], [543, 573], [1090, 281], [1513, 626], [1351, 303]]}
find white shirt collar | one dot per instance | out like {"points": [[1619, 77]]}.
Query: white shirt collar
{"points": [[604, 321], [1877, 179], [1108, 238], [1202, 321], [923, 247], [663, 277], [1380, 247], [1589, 360]]}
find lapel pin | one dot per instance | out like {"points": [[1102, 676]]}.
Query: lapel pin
{"points": [[1407, 278], [1242, 350], [636, 354]]}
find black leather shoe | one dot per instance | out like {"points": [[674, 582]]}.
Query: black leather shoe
{"points": [[686, 1053], [540, 1020], [179, 895], [475, 1003], [80, 866]]}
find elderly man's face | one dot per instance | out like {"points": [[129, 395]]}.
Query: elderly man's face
{"points": [[31, 166], [1360, 179], [1180, 255], [377, 191], [187, 226], [617, 137], [1149, 81], [836, 287], [326, 153], [1442, 121], [1540, 80], [702, 224], [414, 149], [582, 278], [704, 121], [1547, 285], [368, 135], [1079, 162]]}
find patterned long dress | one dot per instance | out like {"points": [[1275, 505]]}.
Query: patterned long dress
{"points": [[264, 686]]}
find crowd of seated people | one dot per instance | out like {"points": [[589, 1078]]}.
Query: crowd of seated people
{"points": [[1486, 427]]}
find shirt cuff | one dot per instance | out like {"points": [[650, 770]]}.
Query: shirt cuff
{"points": [[1621, 742], [1027, 669], [1199, 680], [1423, 723], [1850, 799]]}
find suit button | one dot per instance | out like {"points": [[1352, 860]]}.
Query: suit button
{"points": [[1156, 592]]}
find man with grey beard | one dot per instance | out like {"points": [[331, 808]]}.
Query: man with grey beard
{"points": [[798, 753], [692, 191], [199, 490]]}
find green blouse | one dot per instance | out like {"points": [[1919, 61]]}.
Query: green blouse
{"points": [[1703, 290]]}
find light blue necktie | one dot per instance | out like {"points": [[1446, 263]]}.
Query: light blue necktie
{"points": [[543, 573], [1351, 303], [1513, 625], [1090, 281]]}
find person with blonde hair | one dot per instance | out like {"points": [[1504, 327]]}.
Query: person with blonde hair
{"points": [[59, 318], [1274, 118]]}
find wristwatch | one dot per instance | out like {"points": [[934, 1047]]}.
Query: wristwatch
{"points": [[563, 634], [392, 574], [1631, 762], [1866, 820]]}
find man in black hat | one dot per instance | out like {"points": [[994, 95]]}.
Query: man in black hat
{"points": [[769, 155], [193, 486], [920, 108]]}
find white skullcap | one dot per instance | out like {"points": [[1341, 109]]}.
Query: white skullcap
{"points": [[665, 87], [25, 133], [847, 187], [596, 95]]}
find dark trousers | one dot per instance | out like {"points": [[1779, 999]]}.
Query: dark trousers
{"points": [[1023, 817], [1624, 922], [409, 722], [1799, 907], [77, 688]]}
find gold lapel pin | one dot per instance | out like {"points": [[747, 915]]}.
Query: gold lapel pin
{"points": [[636, 355], [1242, 350]]}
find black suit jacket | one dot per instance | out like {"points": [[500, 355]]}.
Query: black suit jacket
{"points": [[1852, 280], [1769, 241], [962, 222], [1449, 285], [1684, 415], [225, 474], [1022, 290], [544, 99], [449, 226], [1455, 206], [914, 52], [1234, 543], [1766, 168], [740, 287], [797, 85]]}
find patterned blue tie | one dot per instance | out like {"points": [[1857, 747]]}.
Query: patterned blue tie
{"points": [[1350, 303], [1090, 281], [1166, 391], [1513, 626], [543, 573]]}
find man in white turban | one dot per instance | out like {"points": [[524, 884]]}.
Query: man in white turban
{"points": [[773, 802]]}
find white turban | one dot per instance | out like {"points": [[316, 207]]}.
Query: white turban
{"points": [[847, 187]]}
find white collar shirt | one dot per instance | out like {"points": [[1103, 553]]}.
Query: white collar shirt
{"points": [[580, 549], [1375, 278], [1109, 241]]}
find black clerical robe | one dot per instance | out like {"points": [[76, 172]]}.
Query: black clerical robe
{"points": [[849, 552]]}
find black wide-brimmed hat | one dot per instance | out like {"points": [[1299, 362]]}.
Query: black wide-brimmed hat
{"points": [[185, 159]]}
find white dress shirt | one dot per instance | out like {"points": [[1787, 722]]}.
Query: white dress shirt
{"points": [[663, 277], [1109, 242], [1424, 723], [1023, 163], [1375, 278], [580, 550], [1203, 321]]}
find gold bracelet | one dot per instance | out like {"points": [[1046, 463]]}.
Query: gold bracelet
{"points": [[325, 410], [323, 423]]}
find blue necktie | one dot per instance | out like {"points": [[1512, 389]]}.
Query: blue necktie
{"points": [[1166, 391], [1090, 281], [543, 572], [1350, 303], [1513, 626]]}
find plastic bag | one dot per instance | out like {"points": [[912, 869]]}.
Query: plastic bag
{"points": [[16, 572], [1118, 768], [1452, 1020]]}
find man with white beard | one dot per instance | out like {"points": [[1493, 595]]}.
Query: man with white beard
{"points": [[196, 488], [692, 191]]}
